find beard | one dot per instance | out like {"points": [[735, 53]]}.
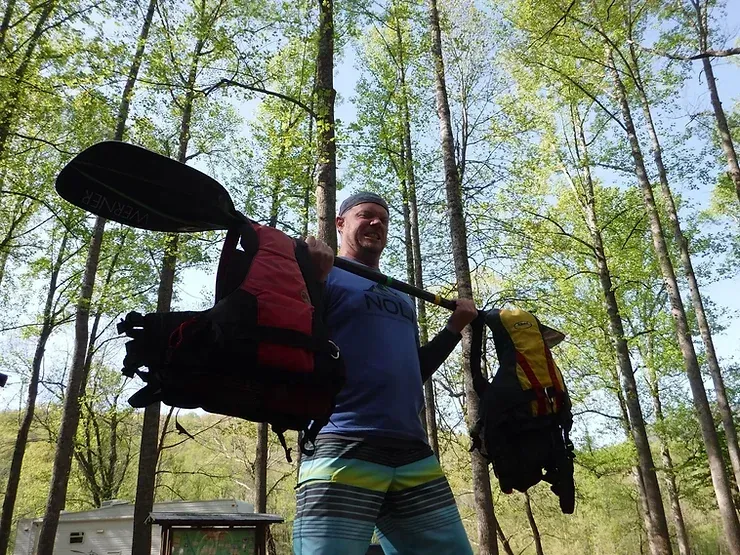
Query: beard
{"points": [[369, 244]]}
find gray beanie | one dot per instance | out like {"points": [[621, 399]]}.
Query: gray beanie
{"points": [[359, 198]]}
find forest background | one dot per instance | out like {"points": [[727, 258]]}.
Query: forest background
{"points": [[570, 158]]}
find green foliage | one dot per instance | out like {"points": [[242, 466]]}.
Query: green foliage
{"points": [[517, 74]]}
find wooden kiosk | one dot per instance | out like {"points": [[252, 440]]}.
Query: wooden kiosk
{"points": [[214, 534]]}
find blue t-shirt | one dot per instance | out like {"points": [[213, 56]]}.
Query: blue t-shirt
{"points": [[376, 331]]}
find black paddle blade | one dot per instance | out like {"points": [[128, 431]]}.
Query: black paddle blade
{"points": [[140, 188]]}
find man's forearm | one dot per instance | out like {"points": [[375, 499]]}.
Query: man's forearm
{"points": [[434, 353]]}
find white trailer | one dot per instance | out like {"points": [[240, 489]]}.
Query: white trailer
{"points": [[108, 530]]}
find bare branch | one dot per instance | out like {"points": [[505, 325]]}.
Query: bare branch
{"points": [[706, 54], [230, 82]]}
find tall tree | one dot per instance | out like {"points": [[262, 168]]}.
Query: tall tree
{"points": [[52, 317], [682, 242], [149, 449], [76, 385], [388, 104], [430, 411], [260, 470], [481, 479], [658, 530], [12, 102], [647, 346], [594, 37], [701, 26], [683, 333], [205, 24], [326, 168]]}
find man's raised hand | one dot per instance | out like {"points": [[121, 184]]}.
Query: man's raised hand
{"points": [[465, 312], [322, 257]]}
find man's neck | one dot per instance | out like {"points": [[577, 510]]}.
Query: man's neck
{"points": [[370, 261]]}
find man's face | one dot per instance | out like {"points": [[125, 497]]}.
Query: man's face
{"points": [[364, 228]]}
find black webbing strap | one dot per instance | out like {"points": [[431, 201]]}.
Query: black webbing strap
{"points": [[308, 437], [246, 236], [305, 264], [476, 350], [280, 432], [293, 338]]}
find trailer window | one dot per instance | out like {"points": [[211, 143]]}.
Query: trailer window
{"points": [[76, 537]]}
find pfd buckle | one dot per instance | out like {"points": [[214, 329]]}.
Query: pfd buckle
{"points": [[334, 353]]}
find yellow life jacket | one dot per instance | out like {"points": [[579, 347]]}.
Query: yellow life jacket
{"points": [[525, 419], [521, 347]]}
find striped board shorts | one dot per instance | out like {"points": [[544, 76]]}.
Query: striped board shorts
{"points": [[350, 488]]}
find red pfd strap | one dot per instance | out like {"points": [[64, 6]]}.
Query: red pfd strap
{"points": [[554, 378], [539, 391], [177, 334]]}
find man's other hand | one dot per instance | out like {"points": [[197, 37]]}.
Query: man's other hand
{"points": [[322, 257], [465, 312]]}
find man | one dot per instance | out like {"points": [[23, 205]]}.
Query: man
{"points": [[373, 468]]}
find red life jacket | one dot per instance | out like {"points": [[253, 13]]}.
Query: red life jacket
{"points": [[262, 353]]}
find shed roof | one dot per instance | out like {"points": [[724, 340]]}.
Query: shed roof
{"points": [[125, 510], [212, 519]]}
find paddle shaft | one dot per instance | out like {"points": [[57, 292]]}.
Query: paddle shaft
{"points": [[373, 275], [134, 186]]}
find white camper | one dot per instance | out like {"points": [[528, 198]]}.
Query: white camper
{"points": [[108, 530]]}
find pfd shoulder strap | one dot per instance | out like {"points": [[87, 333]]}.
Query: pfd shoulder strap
{"points": [[476, 350]]}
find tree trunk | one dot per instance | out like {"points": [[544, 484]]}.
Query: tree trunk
{"points": [[724, 131], [149, 450], [260, 469], [411, 270], [145, 480], [7, 16], [669, 474], [408, 247], [658, 536], [725, 137], [644, 509], [326, 174], [533, 525], [4, 256], [10, 105], [310, 168], [20, 213], [71, 411], [487, 544], [133, 73], [71, 414], [418, 277], [21, 440], [97, 472], [723, 403], [714, 454]]}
